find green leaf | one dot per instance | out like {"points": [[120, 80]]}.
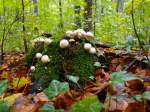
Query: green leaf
{"points": [[49, 108], [72, 78], [146, 95], [120, 77], [117, 78], [4, 107], [55, 88], [3, 86], [89, 104], [138, 97], [97, 64]]}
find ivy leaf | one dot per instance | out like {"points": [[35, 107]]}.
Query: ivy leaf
{"points": [[117, 78], [55, 88], [49, 108], [146, 95], [4, 107], [120, 77], [3, 86], [138, 97], [97, 64], [72, 78]]}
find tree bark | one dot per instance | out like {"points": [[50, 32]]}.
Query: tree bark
{"points": [[120, 5], [35, 2], [77, 10], [95, 16], [4, 30], [23, 27], [88, 26], [61, 15]]}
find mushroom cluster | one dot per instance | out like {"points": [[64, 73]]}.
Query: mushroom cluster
{"points": [[41, 40], [44, 59], [79, 33]]}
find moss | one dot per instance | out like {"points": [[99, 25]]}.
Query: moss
{"points": [[70, 61]]}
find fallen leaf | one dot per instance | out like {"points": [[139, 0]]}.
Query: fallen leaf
{"points": [[19, 83], [11, 99]]}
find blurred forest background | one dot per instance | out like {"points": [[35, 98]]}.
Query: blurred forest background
{"points": [[111, 21]]}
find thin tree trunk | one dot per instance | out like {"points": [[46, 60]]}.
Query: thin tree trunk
{"points": [[2, 46], [23, 27], [120, 5], [61, 15], [35, 2], [77, 10], [88, 15], [3, 38], [95, 16]]}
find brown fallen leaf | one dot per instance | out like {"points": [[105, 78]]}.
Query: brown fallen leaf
{"points": [[135, 107], [134, 86], [63, 101], [29, 104]]}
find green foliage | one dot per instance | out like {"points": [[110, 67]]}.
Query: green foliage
{"points": [[4, 107], [73, 79], [49, 108], [111, 26], [120, 77], [89, 104], [3, 86], [55, 88], [145, 96]]}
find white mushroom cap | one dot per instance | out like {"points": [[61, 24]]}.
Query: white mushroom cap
{"points": [[69, 33], [92, 50], [47, 41], [87, 46], [45, 59], [32, 68], [64, 43], [38, 55], [89, 34], [71, 40]]}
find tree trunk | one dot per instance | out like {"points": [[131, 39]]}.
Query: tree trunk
{"points": [[23, 27], [35, 2], [61, 15], [3, 38], [77, 10], [88, 26], [95, 16], [120, 5]]}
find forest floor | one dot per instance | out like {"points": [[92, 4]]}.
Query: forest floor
{"points": [[15, 70]]}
